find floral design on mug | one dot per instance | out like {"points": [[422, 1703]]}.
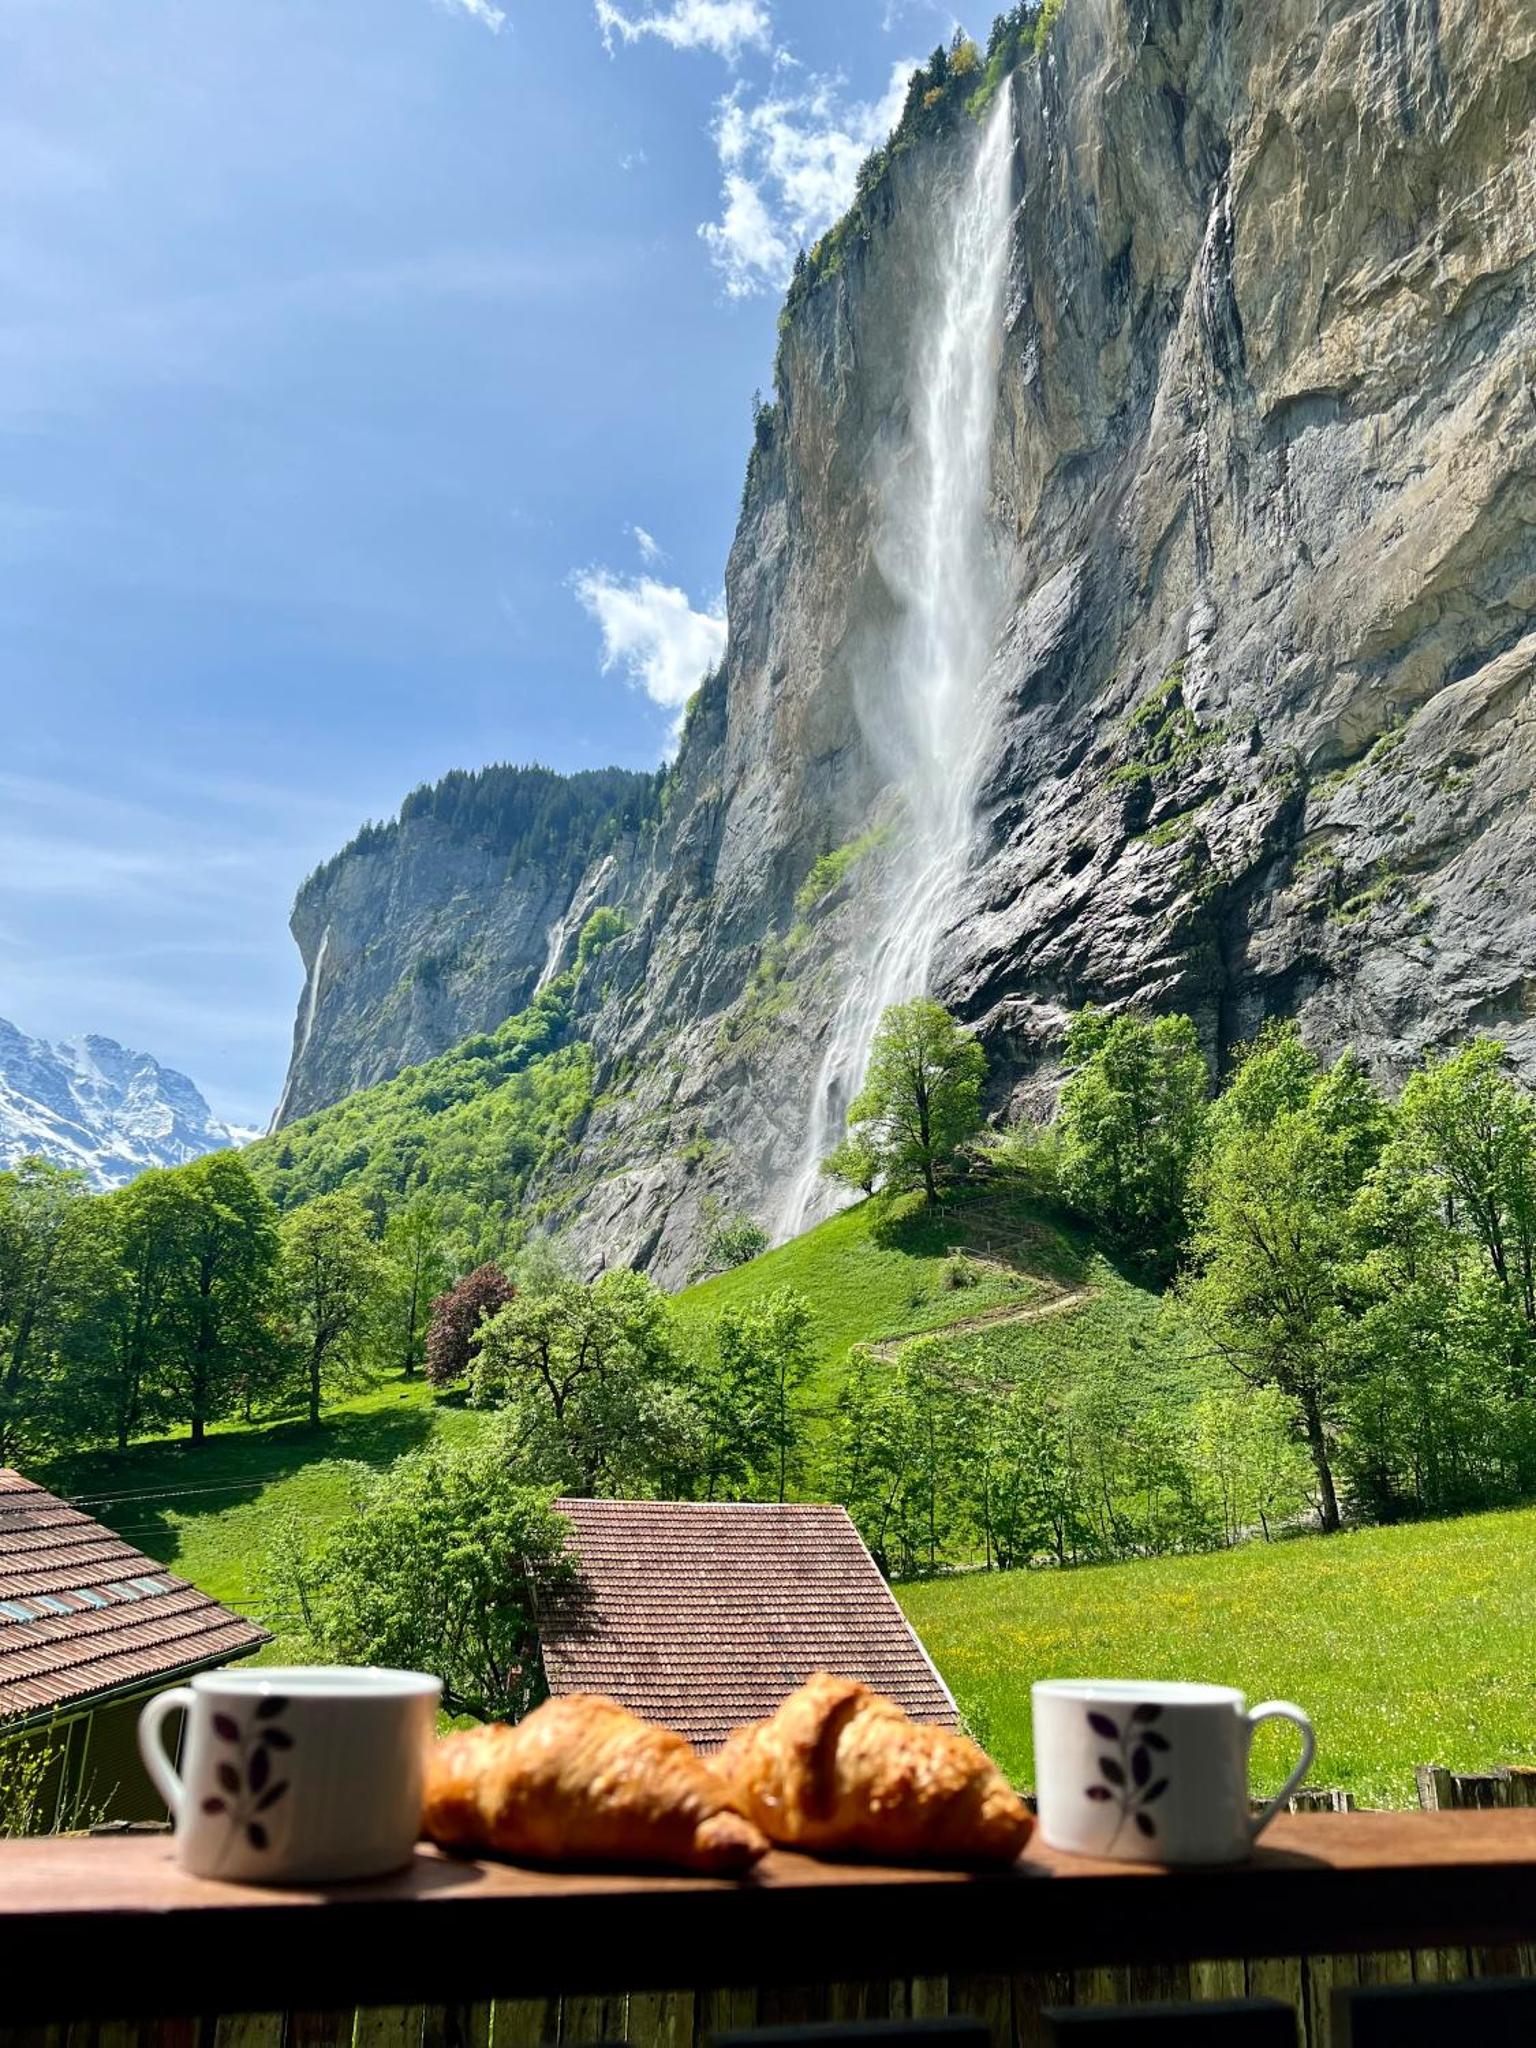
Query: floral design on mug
{"points": [[248, 1787], [1130, 1777]]}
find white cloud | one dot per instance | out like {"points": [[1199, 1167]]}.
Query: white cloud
{"points": [[789, 165], [725, 26], [653, 633], [651, 550], [482, 11]]}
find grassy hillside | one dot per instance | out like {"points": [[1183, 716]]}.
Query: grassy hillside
{"points": [[208, 1514], [885, 1270], [1408, 1645]]}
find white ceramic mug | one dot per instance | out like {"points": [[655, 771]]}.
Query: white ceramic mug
{"points": [[1153, 1773], [295, 1776]]}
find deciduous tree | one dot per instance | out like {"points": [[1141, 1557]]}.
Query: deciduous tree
{"points": [[418, 1270], [439, 1566], [43, 1223], [1132, 1120], [592, 1383], [855, 1163], [921, 1098], [333, 1272], [453, 1335], [765, 1360], [1273, 1244], [223, 1280]]}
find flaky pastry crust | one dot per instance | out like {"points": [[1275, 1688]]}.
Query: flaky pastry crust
{"points": [[842, 1771], [584, 1781]]}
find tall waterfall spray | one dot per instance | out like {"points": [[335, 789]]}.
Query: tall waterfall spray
{"points": [[929, 711]]}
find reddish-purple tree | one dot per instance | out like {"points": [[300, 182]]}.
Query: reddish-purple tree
{"points": [[453, 1335]]}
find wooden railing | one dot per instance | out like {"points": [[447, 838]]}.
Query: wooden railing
{"points": [[482, 1955]]}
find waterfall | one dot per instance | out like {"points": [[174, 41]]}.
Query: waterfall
{"points": [[928, 712], [309, 1025]]}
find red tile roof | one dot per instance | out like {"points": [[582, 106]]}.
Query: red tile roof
{"points": [[702, 1615], [126, 1622]]}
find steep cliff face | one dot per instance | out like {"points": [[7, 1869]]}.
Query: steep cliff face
{"points": [[443, 922], [1263, 506]]}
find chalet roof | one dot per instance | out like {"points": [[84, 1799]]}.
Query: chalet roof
{"points": [[84, 1614], [703, 1615]]}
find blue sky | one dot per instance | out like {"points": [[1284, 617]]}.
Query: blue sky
{"points": [[375, 382]]}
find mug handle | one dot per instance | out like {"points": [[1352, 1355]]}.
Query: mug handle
{"points": [[1281, 1710], [156, 1762]]}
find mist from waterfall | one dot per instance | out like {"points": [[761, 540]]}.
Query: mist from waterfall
{"points": [[928, 713]]}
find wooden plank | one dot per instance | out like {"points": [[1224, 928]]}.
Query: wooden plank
{"points": [[525, 2022], [725, 2012], [1281, 1977], [929, 1998], [585, 2021], [1322, 1976], [661, 2019], [1440, 1965], [249, 2030], [1101, 1987], [312, 2028], [1034, 1993], [792, 2005], [864, 1999], [1218, 1977], [1159, 1984], [456, 2026], [1327, 1883], [387, 2026], [988, 1999]]}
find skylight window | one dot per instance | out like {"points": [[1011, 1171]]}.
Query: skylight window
{"points": [[152, 1585], [53, 1604], [92, 1597], [16, 1610], [126, 1592]]}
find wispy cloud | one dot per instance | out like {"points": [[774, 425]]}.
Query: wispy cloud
{"points": [[789, 163], [478, 10], [727, 27], [652, 632], [651, 549]]}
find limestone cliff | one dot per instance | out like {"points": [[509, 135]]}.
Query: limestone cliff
{"points": [[442, 922], [1263, 501]]}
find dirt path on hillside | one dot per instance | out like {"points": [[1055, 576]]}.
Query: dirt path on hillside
{"points": [[989, 1319]]}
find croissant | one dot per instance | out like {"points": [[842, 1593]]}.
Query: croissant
{"points": [[840, 1769], [583, 1781]]}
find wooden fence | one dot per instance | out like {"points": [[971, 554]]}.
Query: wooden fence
{"points": [[1011, 2006]]}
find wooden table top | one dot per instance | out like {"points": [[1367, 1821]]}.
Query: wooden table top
{"points": [[114, 1927]]}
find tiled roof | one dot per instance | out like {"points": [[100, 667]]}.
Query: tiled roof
{"points": [[83, 1613], [703, 1616]]}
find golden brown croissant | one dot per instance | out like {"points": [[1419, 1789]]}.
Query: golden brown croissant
{"points": [[840, 1769], [584, 1781]]}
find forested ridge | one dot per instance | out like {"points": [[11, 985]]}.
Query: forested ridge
{"points": [[532, 815]]}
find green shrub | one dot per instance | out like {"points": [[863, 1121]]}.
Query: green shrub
{"points": [[958, 1271], [601, 929]]}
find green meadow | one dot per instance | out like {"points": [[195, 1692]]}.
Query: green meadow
{"points": [[1407, 1645]]}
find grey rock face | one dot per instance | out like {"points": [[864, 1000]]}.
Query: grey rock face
{"points": [[1264, 492], [443, 923]]}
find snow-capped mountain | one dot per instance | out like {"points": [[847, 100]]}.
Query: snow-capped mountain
{"points": [[95, 1105]]}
